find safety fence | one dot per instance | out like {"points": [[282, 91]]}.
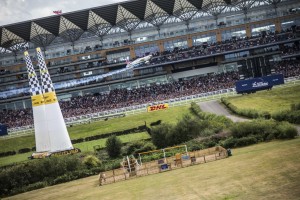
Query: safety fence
{"points": [[163, 165]]}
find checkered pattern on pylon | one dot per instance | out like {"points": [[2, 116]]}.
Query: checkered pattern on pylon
{"points": [[45, 76], [34, 84]]}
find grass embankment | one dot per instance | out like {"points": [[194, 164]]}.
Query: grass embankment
{"points": [[81, 131], [270, 101], [262, 171]]}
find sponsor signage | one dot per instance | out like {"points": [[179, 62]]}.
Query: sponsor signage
{"points": [[158, 107], [260, 83], [3, 129]]}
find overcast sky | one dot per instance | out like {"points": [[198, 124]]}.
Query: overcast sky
{"points": [[12, 11]]}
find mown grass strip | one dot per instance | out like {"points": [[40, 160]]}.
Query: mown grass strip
{"points": [[271, 101], [102, 127], [263, 171]]}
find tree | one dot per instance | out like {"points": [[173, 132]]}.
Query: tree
{"points": [[113, 146], [159, 133]]}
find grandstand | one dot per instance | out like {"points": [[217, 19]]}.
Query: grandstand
{"points": [[197, 47]]}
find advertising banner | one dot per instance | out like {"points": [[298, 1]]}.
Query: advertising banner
{"points": [[158, 107], [260, 83]]}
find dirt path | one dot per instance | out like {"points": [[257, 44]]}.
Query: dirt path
{"points": [[216, 108]]}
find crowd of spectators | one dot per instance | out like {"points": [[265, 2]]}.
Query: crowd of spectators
{"points": [[290, 49], [119, 98], [206, 49], [289, 68]]}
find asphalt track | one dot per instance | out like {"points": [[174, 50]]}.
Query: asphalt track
{"points": [[215, 107]]}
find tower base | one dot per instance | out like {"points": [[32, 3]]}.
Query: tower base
{"points": [[57, 153]]}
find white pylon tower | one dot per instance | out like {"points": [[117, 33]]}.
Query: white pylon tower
{"points": [[42, 140], [56, 127]]}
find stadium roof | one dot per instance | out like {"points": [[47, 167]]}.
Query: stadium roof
{"points": [[99, 20]]}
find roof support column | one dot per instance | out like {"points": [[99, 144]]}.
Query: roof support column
{"points": [[132, 53], [219, 36], [248, 30], [189, 41], [161, 46], [278, 27]]}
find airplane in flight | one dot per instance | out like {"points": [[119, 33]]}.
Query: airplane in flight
{"points": [[139, 62]]}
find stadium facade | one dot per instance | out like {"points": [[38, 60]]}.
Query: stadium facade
{"points": [[83, 45]]}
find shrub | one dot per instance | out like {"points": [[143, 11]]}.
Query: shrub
{"points": [[295, 106], [158, 134], [25, 150], [229, 142], [286, 115], [133, 146], [245, 141], [149, 146], [158, 122], [7, 153], [286, 131], [22, 175], [256, 127], [91, 161], [113, 146]]}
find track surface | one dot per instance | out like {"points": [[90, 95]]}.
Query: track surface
{"points": [[216, 108]]}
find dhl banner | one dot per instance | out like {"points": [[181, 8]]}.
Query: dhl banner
{"points": [[158, 107]]}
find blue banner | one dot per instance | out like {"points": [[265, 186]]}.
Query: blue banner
{"points": [[3, 130], [260, 83]]}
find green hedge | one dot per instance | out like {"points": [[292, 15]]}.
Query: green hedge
{"points": [[264, 130], [232, 142], [292, 116]]}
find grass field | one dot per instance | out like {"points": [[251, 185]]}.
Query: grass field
{"points": [[88, 146], [262, 171], [81, 131], [272, 101], [84, 147]]}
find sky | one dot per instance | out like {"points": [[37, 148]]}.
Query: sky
{"points": [[12, 11]]}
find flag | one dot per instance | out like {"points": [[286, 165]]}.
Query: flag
{"points": [[57, 12]]}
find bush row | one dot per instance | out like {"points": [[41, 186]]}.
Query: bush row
{"points": [[264, 130], [295, 106], [292, 116], [250, 113], [158, 122], [204, 143], [7, 153], [39, 173]]}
